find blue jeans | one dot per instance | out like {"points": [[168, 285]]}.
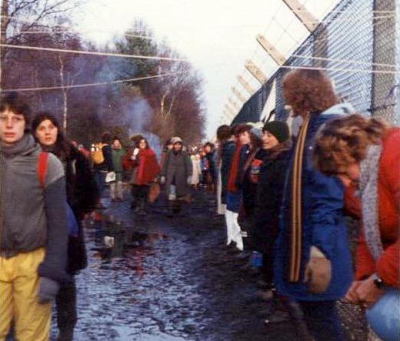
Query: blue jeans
{"points": [[322, 320]]}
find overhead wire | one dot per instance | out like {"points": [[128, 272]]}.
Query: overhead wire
{"points": [[72, 32], [48, 88], [91, 53]]}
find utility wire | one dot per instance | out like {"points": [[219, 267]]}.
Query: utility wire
{"points": [[67, 29], [73, 32], [48, 88], [91, 53]]}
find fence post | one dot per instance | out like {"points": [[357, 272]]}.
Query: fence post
{"points": [[246, 85], [384, 52]]}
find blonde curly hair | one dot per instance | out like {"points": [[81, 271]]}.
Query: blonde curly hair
{"points": [[307, 90], [344, 141]]}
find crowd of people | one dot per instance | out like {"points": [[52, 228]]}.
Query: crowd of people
{"points": [[290, 194], [284, 193]]}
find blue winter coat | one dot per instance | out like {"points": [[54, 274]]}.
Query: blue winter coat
{"points": [[227, 153], [323, 223]]}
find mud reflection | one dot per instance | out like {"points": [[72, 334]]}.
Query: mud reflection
{"points": [[115, 241]]}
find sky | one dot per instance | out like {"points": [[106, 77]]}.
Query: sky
{"points": [[216, 36]]}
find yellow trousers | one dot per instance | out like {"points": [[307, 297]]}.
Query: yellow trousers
{"points": [[19, 300]]}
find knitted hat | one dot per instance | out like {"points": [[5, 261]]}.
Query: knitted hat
{"points": [[279, 129], [176, 139], [256, 131]]}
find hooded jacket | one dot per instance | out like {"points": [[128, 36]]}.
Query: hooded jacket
{"points": [[322, 223], [32, 217]]}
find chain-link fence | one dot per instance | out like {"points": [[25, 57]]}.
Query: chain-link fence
{"points": [[358, 43]]}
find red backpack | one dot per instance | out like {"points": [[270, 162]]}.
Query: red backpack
{"points": [[73, 227]]}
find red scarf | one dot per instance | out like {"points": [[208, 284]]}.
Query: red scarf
{"points": [[148, 167], [233, 174]]}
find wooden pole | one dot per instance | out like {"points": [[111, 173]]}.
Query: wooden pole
{"points": [[234, 104], [246, 85], [301, 12], [230, 110], [238, 95], [256, 72], [271, 50]]}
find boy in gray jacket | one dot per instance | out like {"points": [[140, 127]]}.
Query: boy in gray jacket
{"points": [[33, 227]]}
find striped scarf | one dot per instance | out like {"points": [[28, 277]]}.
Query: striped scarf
{"points": [[296, 206]]}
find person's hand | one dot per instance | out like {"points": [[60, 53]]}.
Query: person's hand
{"points": [[162, 180], [135, 153], [318, 272], [352, 295], [48, 290], [368, 293], [189, 180]]}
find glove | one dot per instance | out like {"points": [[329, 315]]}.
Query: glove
{"points": [[318, 272], [189, 180], [162, 180], [48, 290]]}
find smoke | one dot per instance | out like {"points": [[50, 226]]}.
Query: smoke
{"points": [[138, 115]]}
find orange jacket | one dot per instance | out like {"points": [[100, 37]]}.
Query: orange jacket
{"points": [[387, 266]]}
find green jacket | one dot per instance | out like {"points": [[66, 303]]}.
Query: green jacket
{"points": [[117, 156]]}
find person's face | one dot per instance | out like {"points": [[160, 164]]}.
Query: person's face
{"points": [[269, 141], [12, 127], [142, 144], [117, 144], [351, 175], [244, 138], [46, 133], [177, 147], [170, 146], [208, 149]]}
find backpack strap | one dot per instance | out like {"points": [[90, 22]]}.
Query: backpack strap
{"points": [[42, 168]]}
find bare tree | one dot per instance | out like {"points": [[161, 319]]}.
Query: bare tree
{"points": [[21, 16]]}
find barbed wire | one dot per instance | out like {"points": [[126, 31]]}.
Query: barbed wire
{"points": [[339, 69]]}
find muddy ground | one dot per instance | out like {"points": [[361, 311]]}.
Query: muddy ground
{"points": [[168, 279]]}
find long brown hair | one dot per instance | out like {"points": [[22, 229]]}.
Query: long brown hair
{"points": [[62, 147]]}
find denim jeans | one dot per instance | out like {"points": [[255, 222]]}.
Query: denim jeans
{"points": [[322, 320]]}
